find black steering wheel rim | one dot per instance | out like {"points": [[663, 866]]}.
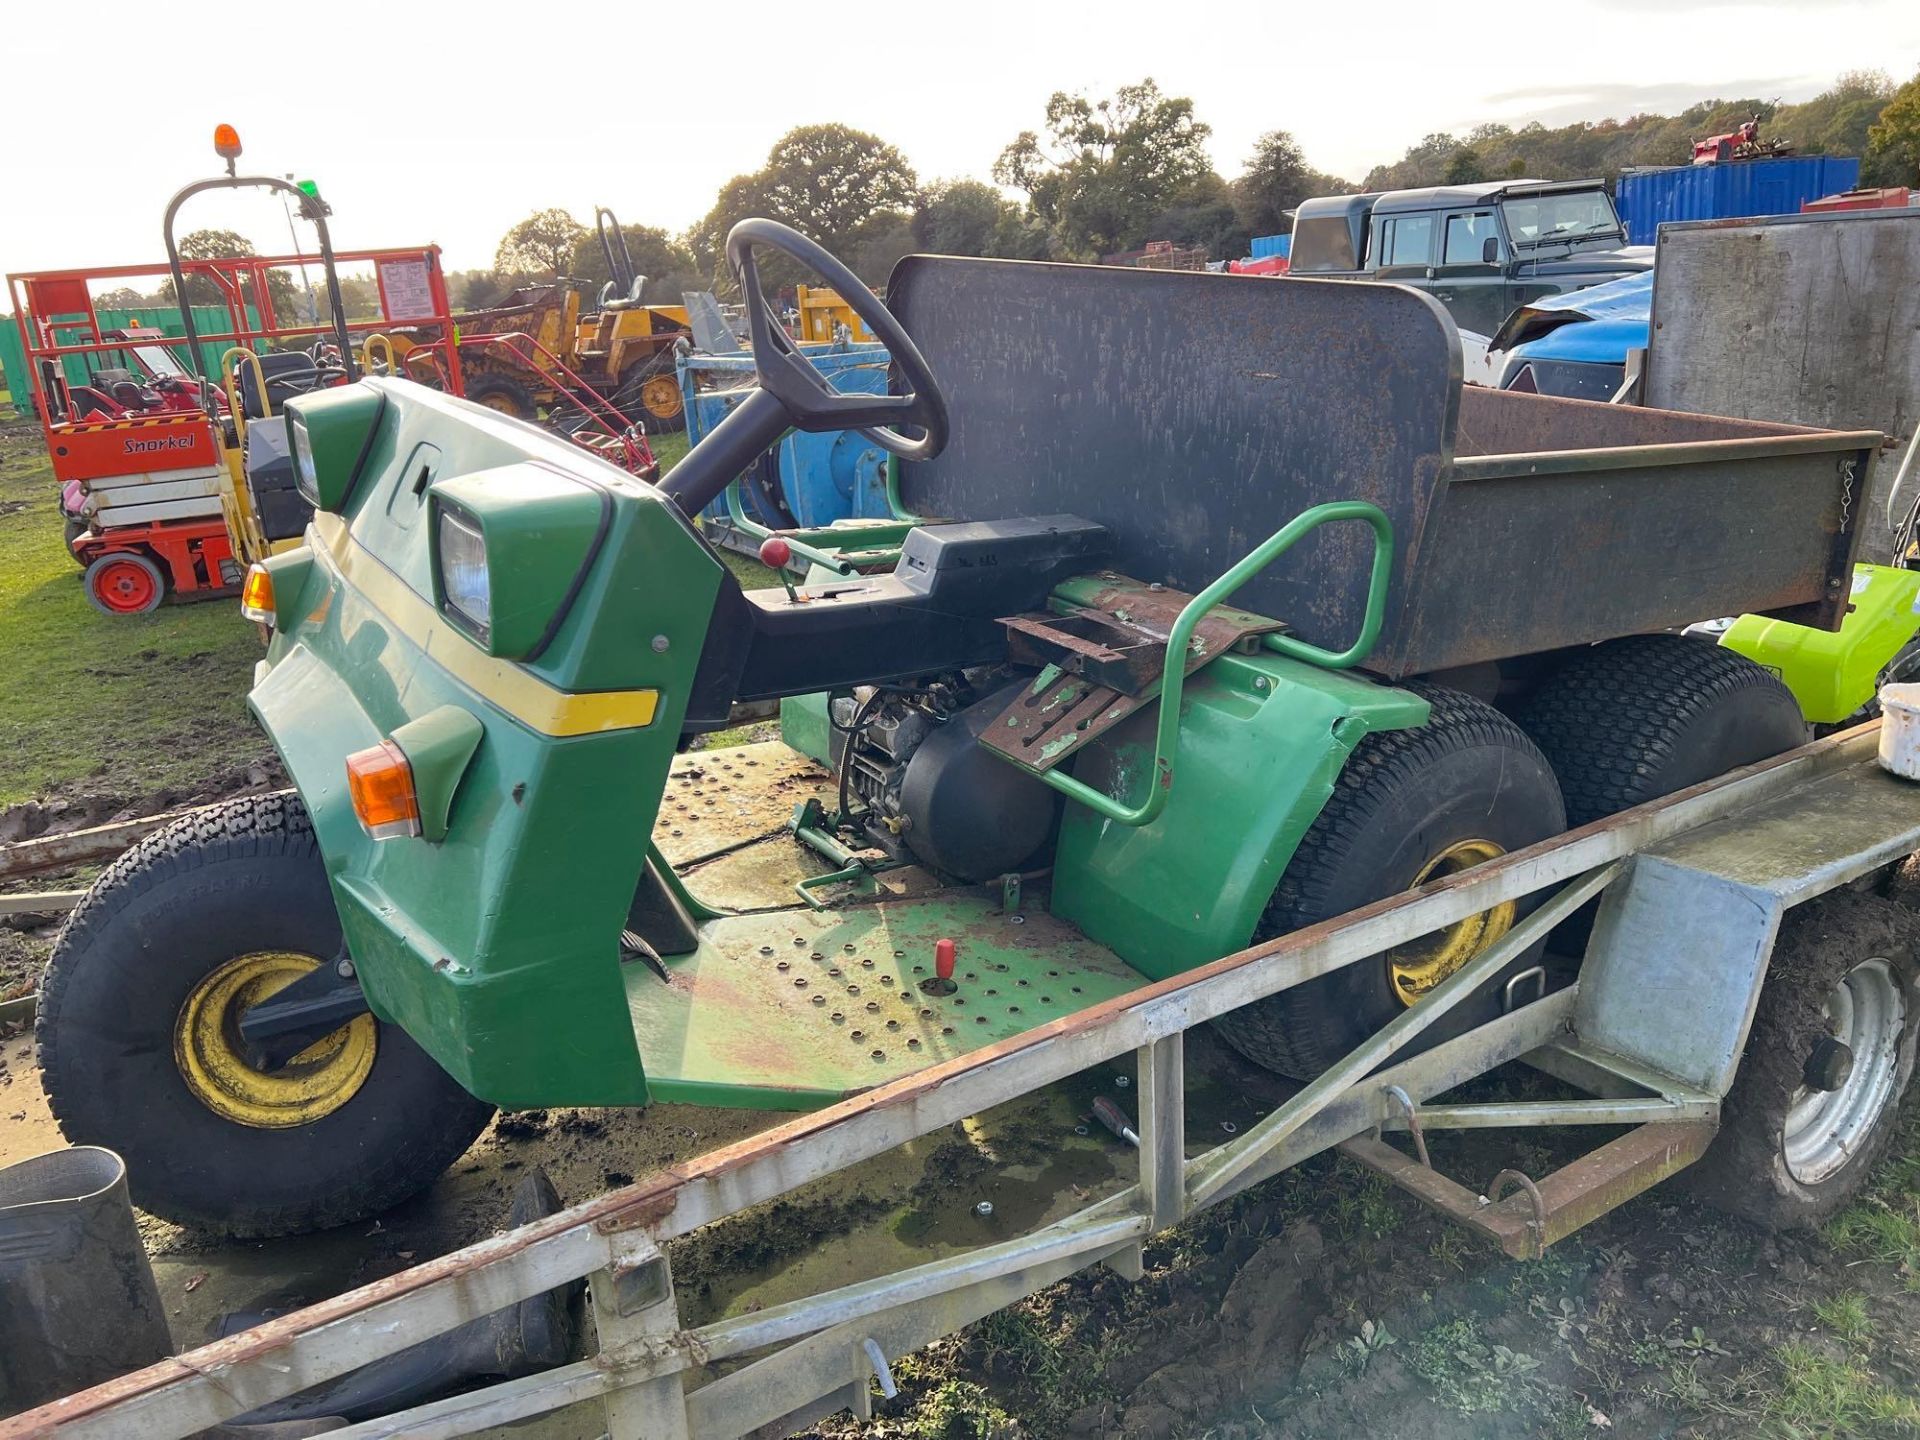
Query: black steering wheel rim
{"points": [[810, 402]]}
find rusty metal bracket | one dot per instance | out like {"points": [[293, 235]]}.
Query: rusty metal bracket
{"points": [[1398, 1093], [1102, 657], [1510, 1179], [1556, 1206]]}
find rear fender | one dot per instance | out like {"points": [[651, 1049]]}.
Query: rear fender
{"points": [[1262, 740]]}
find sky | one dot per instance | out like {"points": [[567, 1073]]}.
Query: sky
{"points": [[446, 123]]}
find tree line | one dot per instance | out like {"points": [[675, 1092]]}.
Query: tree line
{"points": [[1103, 176], [1863, 113]]}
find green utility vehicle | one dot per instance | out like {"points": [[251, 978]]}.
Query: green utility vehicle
{"points": [[1203, 647]]}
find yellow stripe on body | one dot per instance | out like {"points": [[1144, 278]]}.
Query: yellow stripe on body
{"points": [[503, 684]]}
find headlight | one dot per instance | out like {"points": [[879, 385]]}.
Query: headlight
{"points": [[306, 477], [463, 572], [511, 549], [330, 435]]}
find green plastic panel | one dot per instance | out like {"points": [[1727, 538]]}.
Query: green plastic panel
{"points": [[1262, 740], [1833, 673]]}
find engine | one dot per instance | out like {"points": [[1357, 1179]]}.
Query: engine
{"points": [[909, 757]]}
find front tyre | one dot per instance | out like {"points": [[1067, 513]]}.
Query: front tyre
{"points": [[1817, 1098], [140, 1051]]}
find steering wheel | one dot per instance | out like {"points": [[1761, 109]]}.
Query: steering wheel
{"points": [[792, 395], [811, 402]]}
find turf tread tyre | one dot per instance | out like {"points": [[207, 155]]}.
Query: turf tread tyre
{"points": [[1300, 1032], [1744, 1172], [107, 949], [1634, 719]]}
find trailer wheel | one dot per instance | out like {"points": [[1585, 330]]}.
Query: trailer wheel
{"points": [[139, 1050], [508, 396], [1818, 1094], [1411, 806], [124, 583], [662, 404], [1635, 719]]}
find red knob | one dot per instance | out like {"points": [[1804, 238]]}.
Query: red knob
{"points": [[775, 552], [943, 956]]}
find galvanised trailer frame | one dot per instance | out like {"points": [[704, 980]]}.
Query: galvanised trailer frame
{"points": [[1692, 890]]}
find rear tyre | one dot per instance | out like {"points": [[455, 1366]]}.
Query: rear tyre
{"points": [[1635, 719], [139, 1045], [75, 527], [509, 397], [124, 583], [1410, 807], [1826, 1070]]}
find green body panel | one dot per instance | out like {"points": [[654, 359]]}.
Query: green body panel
{"points": [[798, 1008], [438, 746], [1833, 673], [528, 510], [497, 947], [803, 725], [1262, 739]]}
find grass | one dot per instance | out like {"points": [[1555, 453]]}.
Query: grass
{"points": [[1846, 1315], [1820, 1396], [126, 705], [1883, 1224]]}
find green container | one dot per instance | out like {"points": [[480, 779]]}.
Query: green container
{"points": [[207, 319]]}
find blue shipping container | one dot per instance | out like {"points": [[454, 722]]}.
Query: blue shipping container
{"points": [[1265, 247], [1647, 199]]}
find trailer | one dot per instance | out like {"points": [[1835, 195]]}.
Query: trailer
{"points": [[1080, 800], [1644, 1041]]}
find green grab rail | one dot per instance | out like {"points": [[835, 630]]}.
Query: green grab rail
{"points": [[895, 504], [1166, 737]]}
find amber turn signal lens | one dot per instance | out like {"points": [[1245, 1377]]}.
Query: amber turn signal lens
{"points": [[256, 596], [381, 783], [226, 142]]}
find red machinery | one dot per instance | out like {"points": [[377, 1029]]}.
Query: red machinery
{"points": [[1742, 144], [588, 418], [1263, 265], [141, 445], [1890, 197]]}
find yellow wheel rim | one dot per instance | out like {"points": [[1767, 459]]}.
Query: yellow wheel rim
{"points": [[1415, 968], [505, 404], [661, 397], [208, 1049]]}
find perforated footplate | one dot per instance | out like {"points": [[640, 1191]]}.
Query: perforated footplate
{"points": [[796, 1009], [718, 799]]}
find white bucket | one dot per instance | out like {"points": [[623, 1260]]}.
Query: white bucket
{"points": [[1900, 730]]}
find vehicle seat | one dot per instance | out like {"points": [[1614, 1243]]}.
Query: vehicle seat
{"points": [[287, 373], [939, 610]]}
